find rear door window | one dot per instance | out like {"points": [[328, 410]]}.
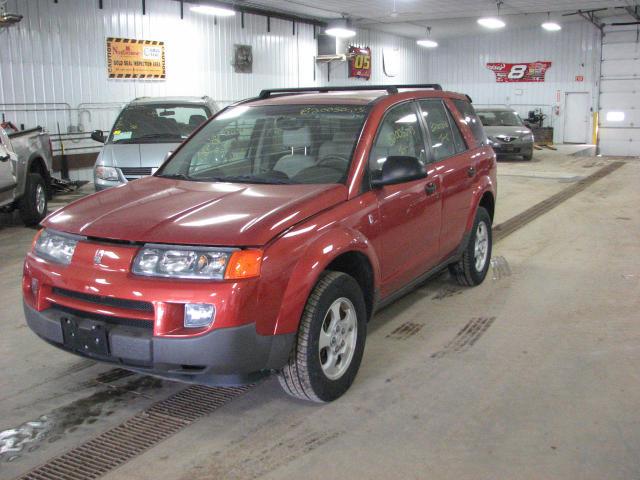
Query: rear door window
{"points": [[471, 119], [440, 133]]}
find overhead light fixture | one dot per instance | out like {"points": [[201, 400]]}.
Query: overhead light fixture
{"points": [[551, 26], [340, 28], [492, 22], [427, 42], [218, 11]]}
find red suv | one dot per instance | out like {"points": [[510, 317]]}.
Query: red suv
{"points": [[269, 238]]}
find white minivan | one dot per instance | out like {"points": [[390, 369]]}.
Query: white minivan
{"points": [[145, 131]]}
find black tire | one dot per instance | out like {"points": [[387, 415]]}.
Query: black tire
{"points": [[528, 156], [465, 270], [303, 377], [32, 211]]}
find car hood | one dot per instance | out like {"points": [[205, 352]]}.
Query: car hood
{"points": [[516, 131], [161, 210], [136, 154]]}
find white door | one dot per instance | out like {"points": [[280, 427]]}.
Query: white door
{"points": [[576, 118], [619, 115]]}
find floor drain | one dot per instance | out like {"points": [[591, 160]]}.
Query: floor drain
{"points": [[135, 435], [466, 337], [406, 330]]}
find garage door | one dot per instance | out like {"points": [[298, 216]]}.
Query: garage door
{"points": [[620, 94]]}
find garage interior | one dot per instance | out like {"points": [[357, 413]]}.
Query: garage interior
{"points": [[530, 375]]}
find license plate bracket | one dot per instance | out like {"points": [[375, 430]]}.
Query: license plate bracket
{"points": [[86, 337]]}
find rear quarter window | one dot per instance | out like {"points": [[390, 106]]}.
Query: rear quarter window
{"points": [[471, 119]]}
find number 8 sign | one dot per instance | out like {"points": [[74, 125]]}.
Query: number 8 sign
{"points": [[519, 72], [360, 62]]}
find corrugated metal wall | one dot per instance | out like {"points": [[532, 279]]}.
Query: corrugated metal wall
{"points": [[55, 61], [460, 65], [57, 54]]}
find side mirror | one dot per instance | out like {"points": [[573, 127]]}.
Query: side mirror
{"points": [[98, 136], [399, 169]]}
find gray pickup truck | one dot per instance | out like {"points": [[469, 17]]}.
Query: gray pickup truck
{"points": [[25, 173]]}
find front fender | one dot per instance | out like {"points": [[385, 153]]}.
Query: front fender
{"points": [[306, 258]]}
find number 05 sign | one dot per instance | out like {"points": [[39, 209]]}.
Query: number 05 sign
{"points": [[360, 62], [519, 72]]}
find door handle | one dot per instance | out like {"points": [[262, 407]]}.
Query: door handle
{"points": [[431, 188], [471, 171]]}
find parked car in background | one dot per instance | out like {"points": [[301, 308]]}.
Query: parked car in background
{"points": [[269, 238], [506, 132], [25, 173], [146, 130]]}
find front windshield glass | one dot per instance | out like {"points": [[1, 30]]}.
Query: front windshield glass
{"points": [[157, 123], [276, 144], [499, 118]]}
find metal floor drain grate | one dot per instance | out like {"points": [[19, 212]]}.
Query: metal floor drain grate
{"points": [[466, 337], [135, 435], [406, 330], [515, 223]]}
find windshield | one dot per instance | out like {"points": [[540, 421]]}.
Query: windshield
{"points": [[157, 123], [499, 118], [276, 144]]}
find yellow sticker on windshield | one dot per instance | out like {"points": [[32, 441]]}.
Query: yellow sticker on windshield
{"points": [[116, 132]]}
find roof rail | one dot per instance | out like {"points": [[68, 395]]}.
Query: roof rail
{"points": [[390, 89]]}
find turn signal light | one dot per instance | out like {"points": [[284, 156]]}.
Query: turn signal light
{"points": [[244, 264]]}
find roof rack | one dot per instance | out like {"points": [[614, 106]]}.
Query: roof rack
{"points": [[390, 89]]}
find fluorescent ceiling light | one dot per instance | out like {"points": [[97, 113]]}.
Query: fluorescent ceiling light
{"points": [[491, 22], [551, 26], [218, 11], [427, 43], [340, 28], [615, 116], [340, 32]]}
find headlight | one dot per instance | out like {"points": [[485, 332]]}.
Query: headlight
{"points": [[56, 247], [107, 173], [197, 262]]}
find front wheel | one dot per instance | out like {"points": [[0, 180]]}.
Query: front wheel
{"points": [[33, 204], [472, 268], [330, 341]]}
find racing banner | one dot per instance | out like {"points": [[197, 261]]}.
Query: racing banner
{"points": [[519, 72], [360, 62], [128, 58]]}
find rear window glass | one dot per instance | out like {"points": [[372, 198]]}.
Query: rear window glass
{"points": [[472, 120]]}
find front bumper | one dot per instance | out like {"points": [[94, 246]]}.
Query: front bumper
{"points": [[512, 148], [233, 355]]}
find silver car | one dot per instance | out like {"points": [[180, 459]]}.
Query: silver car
{"points": [[506, 132], [146, 130]]}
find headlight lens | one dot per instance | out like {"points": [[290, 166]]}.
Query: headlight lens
{"points": [[55, 247], [107, 173], [194, 262]]}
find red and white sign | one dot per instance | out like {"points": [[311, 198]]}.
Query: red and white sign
{"points": [[579, 78], [360, 62], [519, 72]]}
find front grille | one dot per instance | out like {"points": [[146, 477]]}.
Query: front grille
{"points": [[135, 171], [127, 322], [107, 301]]}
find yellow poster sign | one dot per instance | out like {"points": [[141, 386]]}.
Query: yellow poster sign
{"points": [[128, 58]]}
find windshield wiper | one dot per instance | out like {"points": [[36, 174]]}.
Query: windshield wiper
{"points": [[179, 176], [246, 179]]}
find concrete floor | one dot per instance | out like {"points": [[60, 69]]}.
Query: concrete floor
{"points": [[550, 390]]}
